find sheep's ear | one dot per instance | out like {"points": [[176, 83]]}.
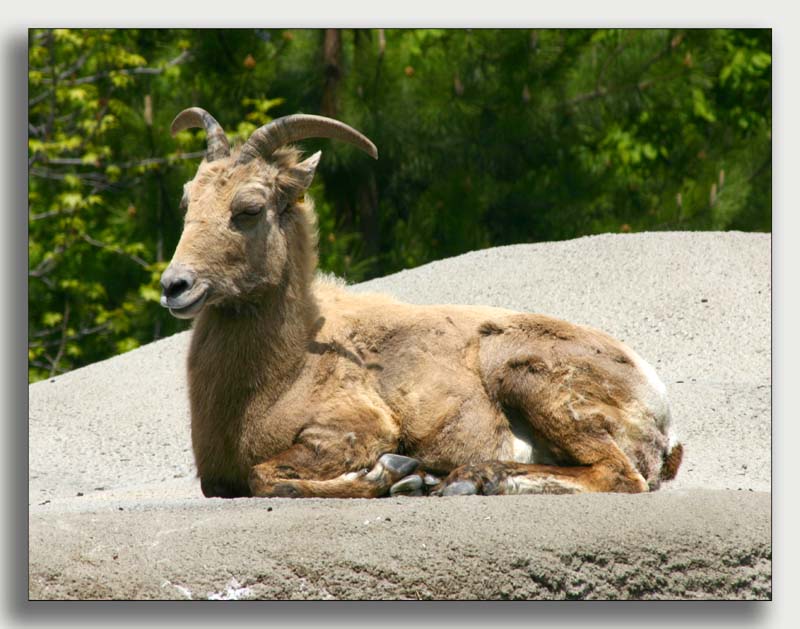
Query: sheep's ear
{"points": [[302, 175], [305, 170]]}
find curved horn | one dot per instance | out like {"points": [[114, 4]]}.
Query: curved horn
{"points": [[218, 146], [265, 140]]}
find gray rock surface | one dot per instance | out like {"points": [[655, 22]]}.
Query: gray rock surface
{"points": [[115, 510]]}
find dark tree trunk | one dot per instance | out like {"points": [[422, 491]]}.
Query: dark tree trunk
{"points": [[368, 214], [331, 58]]}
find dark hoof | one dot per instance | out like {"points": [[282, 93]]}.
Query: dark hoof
{"points": [[431, 481], [222, 489], [487, 479], [285, 490], [408, 486], [459, 488], [398, 465]]}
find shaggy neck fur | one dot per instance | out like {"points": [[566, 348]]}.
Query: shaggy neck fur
{"points": [[245, 355]]}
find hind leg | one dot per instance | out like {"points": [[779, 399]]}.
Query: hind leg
{"points": [[508, 477], [612, 473], [593, 462], [579, 432], [576, 391]]}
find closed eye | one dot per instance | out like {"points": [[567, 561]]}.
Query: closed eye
{"points": [[246, 218], [247, 204]]}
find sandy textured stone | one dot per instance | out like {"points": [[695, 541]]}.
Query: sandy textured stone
{"points": [[115, 510]]}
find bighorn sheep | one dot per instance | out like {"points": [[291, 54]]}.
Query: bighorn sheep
{"points": [[299, 387]]}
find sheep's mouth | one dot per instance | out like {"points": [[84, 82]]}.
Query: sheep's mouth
{"points": [[187, 306]]}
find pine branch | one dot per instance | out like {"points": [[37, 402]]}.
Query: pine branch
{"points": [[602, 91], [620, 47]]}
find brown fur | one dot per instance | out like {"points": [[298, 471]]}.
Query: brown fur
{"points": [[297, 385], [672, 461]]}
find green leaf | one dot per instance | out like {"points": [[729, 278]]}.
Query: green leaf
{"points": [[469, 157], [52, 319], [126, 345], [77, 94], [150, 293], [72, 181], [71, 200], [761, 60], [701, 107]]}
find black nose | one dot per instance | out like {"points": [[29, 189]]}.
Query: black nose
{"points": [[176, 280]]}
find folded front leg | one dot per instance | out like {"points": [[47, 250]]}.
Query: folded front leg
{"points": [[289, 475]]}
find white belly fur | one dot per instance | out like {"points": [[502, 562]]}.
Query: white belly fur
{"points": [[526, 450], [655, 394], [521, 450]]}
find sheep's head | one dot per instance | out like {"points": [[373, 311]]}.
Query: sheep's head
{"points": [[244, 211]]}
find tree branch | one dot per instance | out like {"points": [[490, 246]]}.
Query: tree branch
{"points": [[103, 245], [74, 337], [58, 212], [620, 47], [47, 173], [602, 91], [75, 67], [35, 131], [63, 341], [41, 365], [181, 58], [48, 264], [39, 98], [147, 161]]}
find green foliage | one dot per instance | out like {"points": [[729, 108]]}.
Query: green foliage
{"points": [[100, 179], [486, 137]]}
